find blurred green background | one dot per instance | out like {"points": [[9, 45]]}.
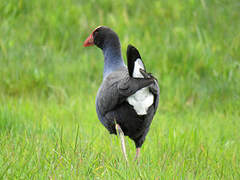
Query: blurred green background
{"points": [[48, 84]]}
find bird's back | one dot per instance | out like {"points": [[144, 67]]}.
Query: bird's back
{"points": [[113, 108], [108, 96]]}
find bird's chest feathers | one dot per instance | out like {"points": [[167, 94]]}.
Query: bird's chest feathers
{"points": [[143, 98]]}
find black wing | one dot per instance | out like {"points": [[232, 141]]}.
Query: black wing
{"points": [[117, 87]]}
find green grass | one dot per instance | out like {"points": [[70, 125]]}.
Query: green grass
{"points": [[48, 83]]}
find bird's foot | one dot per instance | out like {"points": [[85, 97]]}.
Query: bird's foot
{"points": [[121, 135], [137, 154]]}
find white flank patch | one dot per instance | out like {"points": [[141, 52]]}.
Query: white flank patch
{"points": [[143, 98]]}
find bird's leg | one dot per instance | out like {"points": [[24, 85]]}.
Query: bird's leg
{"points": [[121, 135], [137, 154]]}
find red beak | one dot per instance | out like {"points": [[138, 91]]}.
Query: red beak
{"points": [[89, 41]]}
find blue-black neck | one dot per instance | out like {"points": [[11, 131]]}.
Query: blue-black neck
{"points": [[112, 59]]}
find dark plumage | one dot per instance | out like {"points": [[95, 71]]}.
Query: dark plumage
{"points": [[132, 56], [112, 104]]}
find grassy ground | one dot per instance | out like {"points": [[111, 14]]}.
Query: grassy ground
{"points": [[48, 84]]}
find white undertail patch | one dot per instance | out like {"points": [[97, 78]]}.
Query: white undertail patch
{"points": [[143, 98]]}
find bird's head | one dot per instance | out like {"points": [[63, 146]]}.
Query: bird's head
{"points": [[102, 36]]}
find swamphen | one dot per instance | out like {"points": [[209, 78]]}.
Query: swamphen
{"points": [[128, 97]]}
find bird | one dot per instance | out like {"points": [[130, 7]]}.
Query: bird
{"points": [[128, 96]]}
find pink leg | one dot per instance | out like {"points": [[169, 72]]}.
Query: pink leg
{"points": [[137, 154]]}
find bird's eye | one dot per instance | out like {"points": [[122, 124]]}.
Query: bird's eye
{"points": [[96, 32]]}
